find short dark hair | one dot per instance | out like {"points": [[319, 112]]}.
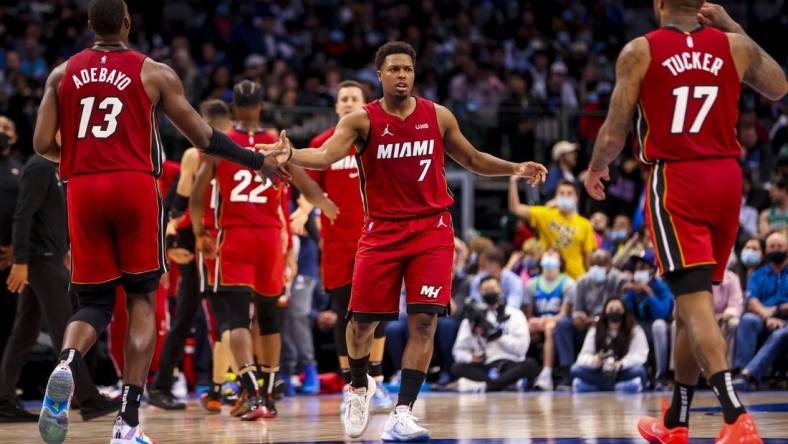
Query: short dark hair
{"points": [[494, 254], [567, 183], [688, 5], [352, 84], [488, 278], [247, 93], [394, 48], [106, 16], [214, 109]]}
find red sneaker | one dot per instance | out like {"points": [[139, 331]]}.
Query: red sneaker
{"points": [[654, 431], [742, 431]]}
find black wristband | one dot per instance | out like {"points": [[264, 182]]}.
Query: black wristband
{"points": [[179, 205], [224, 147]]}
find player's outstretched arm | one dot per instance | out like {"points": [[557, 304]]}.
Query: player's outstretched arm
{"points": [[350, 130], [167, 87], [312, 192], [757, 68], [47, 124], [483, 164], [204, 242], [630, 69]]}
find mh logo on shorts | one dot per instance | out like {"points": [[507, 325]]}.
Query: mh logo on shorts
{"points": [[430, 291]]}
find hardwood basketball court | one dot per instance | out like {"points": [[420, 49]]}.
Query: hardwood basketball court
{"points": [[469, 418]]}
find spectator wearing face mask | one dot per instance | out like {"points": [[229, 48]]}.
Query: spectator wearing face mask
{"points": [[751, 258], [546, 301], [492, 343], [559, 225], [767, 310], [564, 162], [650, 300], [600, 223], [614, 353], [491, 263], [525, 263], [619, 234], [587, 299]]}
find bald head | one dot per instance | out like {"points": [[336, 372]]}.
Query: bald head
{"points": [[602, 258], [776, 242]]}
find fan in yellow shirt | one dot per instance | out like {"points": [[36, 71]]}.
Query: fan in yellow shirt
{"points": [[560, 227]]}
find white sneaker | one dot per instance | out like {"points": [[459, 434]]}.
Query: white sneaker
{"points": [[345, 394], [465, 385], [356, 415], [401, 426], [123, 433], [179, 389], [545, 380]]}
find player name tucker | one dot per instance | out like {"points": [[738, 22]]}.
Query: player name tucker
{"points": [[690, 60], [406, 149], [104, 75]]}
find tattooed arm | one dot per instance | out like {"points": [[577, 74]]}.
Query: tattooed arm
{"points": [[630, 69], [757, 69]]}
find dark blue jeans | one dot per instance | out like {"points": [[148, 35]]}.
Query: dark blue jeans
{"points": [[567, 340], [445, 335], [751, 328], [396, 338], [595, 377]]}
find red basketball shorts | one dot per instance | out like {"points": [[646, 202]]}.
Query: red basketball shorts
{"points": [[338, 259], [419, 251], [116, 225], [251, 258], [692, 209]]}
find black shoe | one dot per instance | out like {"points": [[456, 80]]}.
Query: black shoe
{"points": [[98, 406], [13, 411], [163, 399], [280, 387]]}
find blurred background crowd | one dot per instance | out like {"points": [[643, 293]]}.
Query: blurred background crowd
{"points": [[527, 80]]}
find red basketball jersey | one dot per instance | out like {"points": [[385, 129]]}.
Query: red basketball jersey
{"points": [[107, 121], [245, 199], [689, 98], [341, 182], [401, 167]]}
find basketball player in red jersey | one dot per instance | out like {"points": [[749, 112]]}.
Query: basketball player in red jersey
{"points": [[400, 142], [251, 254], [684, 79], [340, 240], [103, 102]]}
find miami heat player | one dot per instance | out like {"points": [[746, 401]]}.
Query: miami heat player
{"points": [[408, 232], [104, 102], [340, 240], [250, 267], [684, 79]]}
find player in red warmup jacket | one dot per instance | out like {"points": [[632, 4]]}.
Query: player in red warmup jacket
{"points": [[407, 234], [250, 264], [103, 102], [684, 80], [340, 240]]}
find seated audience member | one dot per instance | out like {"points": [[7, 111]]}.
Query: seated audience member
{"points": [[559, 225], [728, 305], [491, 262], [650, 300], [546, 300], [619, 233], [600, 223], [475, 248], [751, 257], [767, 310], [492, 343], [525, 263], [614, 353], [776, 216], [587, 298]]}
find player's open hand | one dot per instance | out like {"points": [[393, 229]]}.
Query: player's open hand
{"points": [[276, 156], [534, 173], [712, 14], [593, 183], [180, 256], [330, 209], [205, 244]]}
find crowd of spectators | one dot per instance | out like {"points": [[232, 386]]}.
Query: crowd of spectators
{"points": [[580, 303]]}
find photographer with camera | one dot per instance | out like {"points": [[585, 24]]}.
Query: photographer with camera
{"points": [[492, 343], [614, 353]]}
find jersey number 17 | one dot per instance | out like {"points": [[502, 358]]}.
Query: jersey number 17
{"points": [[682, 93]]}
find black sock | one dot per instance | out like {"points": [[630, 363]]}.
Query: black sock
{"points": [[71, 356], [345, 372], [269, 377], [722, 384], [248, 379], [375, 369], [678, 413], [410, 384], [130, 406], [358, 371]]}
